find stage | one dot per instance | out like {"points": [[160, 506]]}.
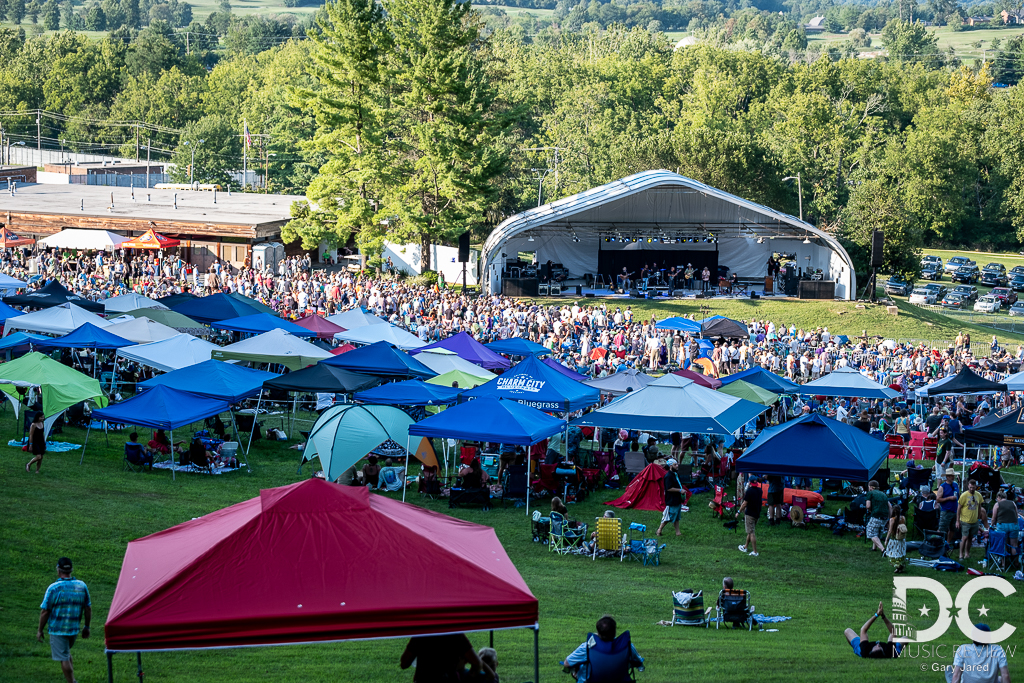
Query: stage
{"points": [[568, 291]]}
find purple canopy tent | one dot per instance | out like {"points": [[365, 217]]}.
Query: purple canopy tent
{"points": [[568, 372], [464, 346]]}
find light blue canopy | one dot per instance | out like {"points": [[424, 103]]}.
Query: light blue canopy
{"points": [[847, 382], [213, 378], [679, 323], [345, 433], [20, 339], [764, 379], [162, 408], [517, 346]]}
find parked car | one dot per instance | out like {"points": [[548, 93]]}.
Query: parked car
{"points": [[955, 300], [956, 262], [1007, 297], [897, 284], [932, 271], [1017, 282], [969, 290], [938, 290], [998, 267], [1017, 270], [994, 278], [966, 274], [930, 260], [987, 304], [1017, 309], [922, 296]]}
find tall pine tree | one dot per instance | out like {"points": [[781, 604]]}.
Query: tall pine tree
{"points": [[443, 134]]}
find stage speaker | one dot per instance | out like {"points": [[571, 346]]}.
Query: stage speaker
{"points": [[555, 289], [677, 292], [579, 290], [817, 289], [543, 289], [634, 293], [589, 295], [464, 247], [877, 246], [754, 295]]}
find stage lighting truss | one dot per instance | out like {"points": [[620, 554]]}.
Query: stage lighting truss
{"points": [[660, 237]]}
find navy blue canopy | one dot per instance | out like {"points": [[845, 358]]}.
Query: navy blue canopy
{"points": [[213, 378], [88, 336], [815, 446], [490, 419], [764, 379], [537, 385], [260, 323], [209, 309], [174, 299], [381, 359], [517, 346], [162, 408], [413, 392]]}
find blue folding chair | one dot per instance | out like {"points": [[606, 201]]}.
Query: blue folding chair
{"points": [[608, 661], [997, 553]]}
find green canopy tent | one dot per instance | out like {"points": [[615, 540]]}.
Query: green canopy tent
{"points": [[345, 433], [750, 392], [60, 387], [464, 379]]}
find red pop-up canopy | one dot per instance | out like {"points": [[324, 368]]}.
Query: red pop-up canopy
{"points": [[645, 492], [150, 240], [323, 328], [9, 239], [313, 561]]}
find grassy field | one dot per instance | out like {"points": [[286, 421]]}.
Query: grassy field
{"points": [[511, 11], [841, 317], [963, 41], [90, 512]]}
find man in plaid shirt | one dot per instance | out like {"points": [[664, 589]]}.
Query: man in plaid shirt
{"points": [[65, 603]]}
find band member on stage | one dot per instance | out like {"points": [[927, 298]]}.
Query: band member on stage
{"points": [[688, 276], [624, 279]]}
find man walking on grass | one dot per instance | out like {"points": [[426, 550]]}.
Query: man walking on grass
{"points": [[673, 497], [750, 508], [878, 508], [65, 603]]}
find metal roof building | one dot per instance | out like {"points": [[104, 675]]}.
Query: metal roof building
{"points": [[669, 219]]}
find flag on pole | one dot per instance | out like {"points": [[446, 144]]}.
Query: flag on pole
{"points": [[245, 131]]}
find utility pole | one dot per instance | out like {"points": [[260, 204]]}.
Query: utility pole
{"points": [[136, 141], [149, 142], [1, 145], [39, 134], [187, 52]]}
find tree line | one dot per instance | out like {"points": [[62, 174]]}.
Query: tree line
{"points": [[410, 120]]}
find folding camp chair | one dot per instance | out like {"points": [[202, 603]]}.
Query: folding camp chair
{"points": [[635, 464], [896, 447], [609, 537], [641, 548], [934, 546], [688, 609], [515, 484], [734, 607], [609, 662], [918, 477], [926, 520], [801, 503], [563, 538], [998, 554], [133, 455], [719, 504], [929, 448]]}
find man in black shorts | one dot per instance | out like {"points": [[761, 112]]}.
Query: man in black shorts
{"points": [[775, 491]]}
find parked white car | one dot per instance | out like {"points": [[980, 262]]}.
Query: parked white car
{"points": [[922, 296], [987, 304]]}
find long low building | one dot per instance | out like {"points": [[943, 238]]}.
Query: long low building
{"points": [[209, 224]]}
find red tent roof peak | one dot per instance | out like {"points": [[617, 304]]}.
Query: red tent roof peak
{"points": [[312, 496]]}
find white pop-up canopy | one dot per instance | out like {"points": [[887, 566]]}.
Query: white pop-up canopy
{"points": [[130, 302], [354, 318], [371, 334], [75, 238], [179, 351], [142, 330], [275, 346], [443, 360], [56, 320]]}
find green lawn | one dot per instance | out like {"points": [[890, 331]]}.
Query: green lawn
{"points": [[509, 10], [841, 317], [90, 512], [962, 41]]}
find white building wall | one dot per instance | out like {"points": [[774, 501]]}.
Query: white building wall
{"points": [[445, 260]]}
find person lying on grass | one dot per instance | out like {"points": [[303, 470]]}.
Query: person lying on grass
{"points": [[862, 647]]}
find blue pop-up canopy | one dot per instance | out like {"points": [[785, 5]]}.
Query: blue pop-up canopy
{"points": [[464, 346], [517, 346], [88, 336], [680, 324], [381, 359], [766, 380], [567, 371], [537, 385], [17, 339], [8, 312], [815, 446], [413, 392], [213, 378], [162, 408], [209, 309], [490, 419], [259, 323], [847, 382]]}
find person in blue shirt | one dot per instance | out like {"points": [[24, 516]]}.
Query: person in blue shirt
{"points": [[577, 664], [65, 604]]}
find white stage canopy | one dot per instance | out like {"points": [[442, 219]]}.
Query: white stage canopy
{"points": [[675, 213]]}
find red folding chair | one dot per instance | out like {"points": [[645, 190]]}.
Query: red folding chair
{"points": [[800, 502], [931, 447], [896, 447], [719, 504]]}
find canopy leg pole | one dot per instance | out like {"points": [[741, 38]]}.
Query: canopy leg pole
{"points": [[173, 468], [406, 477], [536, 653], [140, 674], [86, 444], [110, 667], [528, 487], [235, 427], [492, 640], [254, 416]]}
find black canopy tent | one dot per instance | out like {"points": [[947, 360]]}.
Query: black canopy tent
{"points": [[52, 294], [724, 327], [173, 300], [966, 382], [999, 430]]}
